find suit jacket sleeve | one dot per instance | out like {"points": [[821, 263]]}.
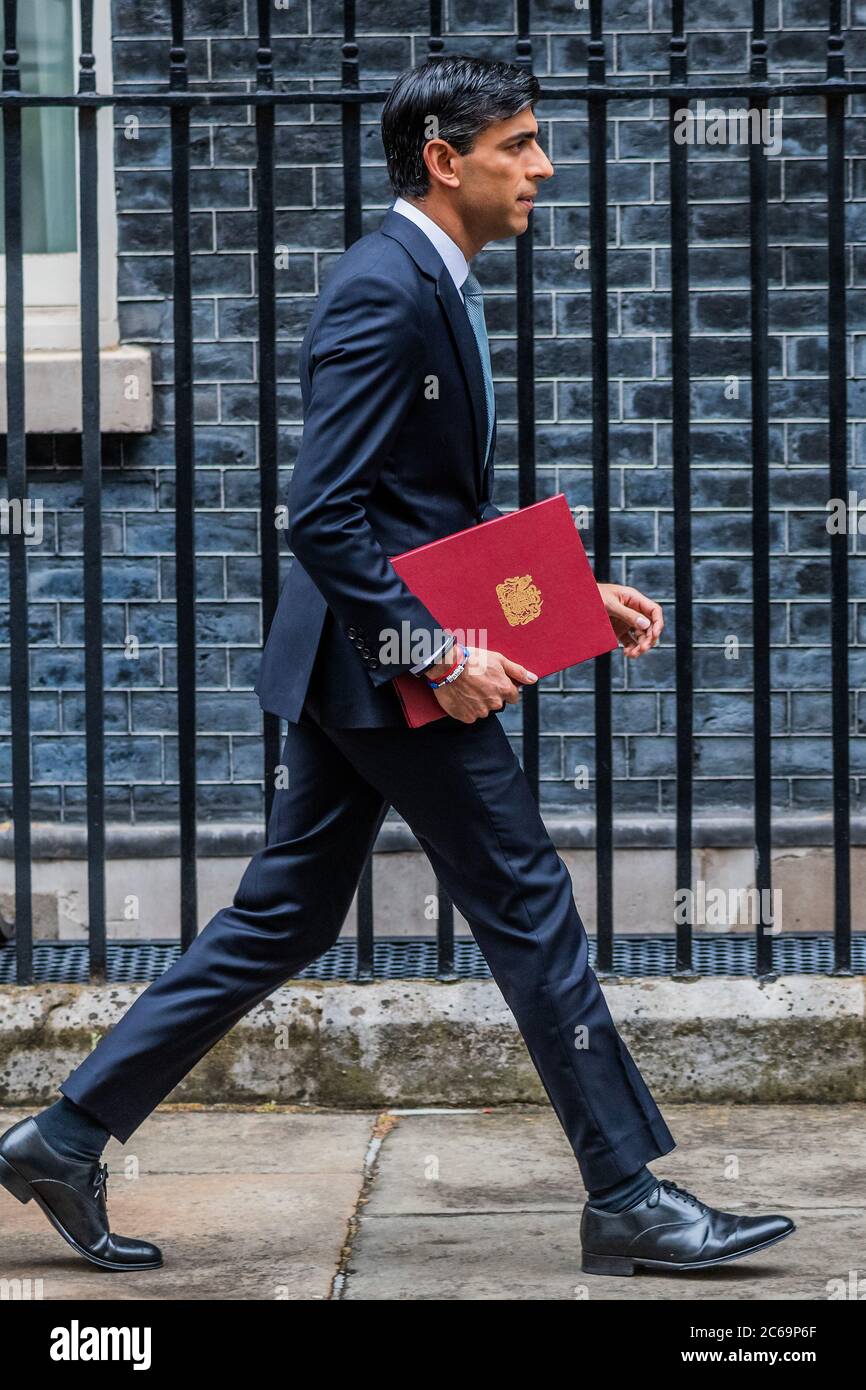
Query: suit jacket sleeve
{"points": [[367, 365]]}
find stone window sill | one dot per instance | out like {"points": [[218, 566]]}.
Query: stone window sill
{"points": [[52, 390]]}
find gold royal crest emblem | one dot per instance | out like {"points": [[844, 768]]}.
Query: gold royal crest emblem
{"points": [[521, 599]]}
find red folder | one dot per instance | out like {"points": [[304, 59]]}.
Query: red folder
{"points": [[520, 584]]}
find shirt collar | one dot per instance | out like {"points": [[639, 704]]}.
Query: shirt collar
{"points": [[446, 246]]}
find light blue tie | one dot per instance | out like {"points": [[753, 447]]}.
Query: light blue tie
{"points": [[475, 310]]}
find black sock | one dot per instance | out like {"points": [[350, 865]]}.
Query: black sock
{"points": [[627, 1192], [71, 1130]]}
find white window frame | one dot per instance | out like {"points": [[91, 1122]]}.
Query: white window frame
{"points": [[52, 287]]}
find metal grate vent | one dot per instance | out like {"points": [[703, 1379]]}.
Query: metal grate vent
{"points": [[404, 958]]}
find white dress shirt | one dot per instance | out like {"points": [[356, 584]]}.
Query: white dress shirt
{"points": [[458, 265], [445, 245]]}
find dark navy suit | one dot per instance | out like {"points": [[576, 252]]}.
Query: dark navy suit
{"points": [[391, 457]]}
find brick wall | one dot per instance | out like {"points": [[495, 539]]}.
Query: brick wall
{"points": [[138, 529]]}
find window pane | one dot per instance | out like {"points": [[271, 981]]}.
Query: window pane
{"points": [[48, 196]]}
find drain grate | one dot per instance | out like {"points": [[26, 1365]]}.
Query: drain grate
{"points": [[404, 958]]}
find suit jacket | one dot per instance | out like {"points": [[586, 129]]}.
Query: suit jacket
{"points": [[391, 457]]}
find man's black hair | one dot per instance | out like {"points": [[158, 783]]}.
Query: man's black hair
{"points": [[464, 94]]}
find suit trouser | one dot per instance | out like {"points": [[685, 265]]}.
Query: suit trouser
{"points": [[461, 789]]}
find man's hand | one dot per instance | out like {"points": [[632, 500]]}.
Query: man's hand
{"points": [[487, 682], [635, 619]]}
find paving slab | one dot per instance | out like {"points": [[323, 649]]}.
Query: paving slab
{"points": [[243, 1205], [487, 1206]]}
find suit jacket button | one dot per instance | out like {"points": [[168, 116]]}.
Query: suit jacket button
{"points": [[352, 631], [372, 662]]}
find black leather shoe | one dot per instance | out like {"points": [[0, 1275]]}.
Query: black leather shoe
{"points": [[672, 1229], [72, 1195]]}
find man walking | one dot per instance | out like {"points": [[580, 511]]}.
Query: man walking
{"points": [[397, 450]]}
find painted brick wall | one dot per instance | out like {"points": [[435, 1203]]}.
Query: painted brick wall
{"points": [[138, 532]]}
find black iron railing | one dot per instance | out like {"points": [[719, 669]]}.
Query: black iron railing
{"points": [[596, 96]]}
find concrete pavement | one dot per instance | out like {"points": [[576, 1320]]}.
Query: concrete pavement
{"points": [[281, 1202]]}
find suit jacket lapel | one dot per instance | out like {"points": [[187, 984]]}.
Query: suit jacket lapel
{"points": [[428, 260]]}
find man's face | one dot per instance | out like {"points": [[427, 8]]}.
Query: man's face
{"points": [[500, 177]]}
